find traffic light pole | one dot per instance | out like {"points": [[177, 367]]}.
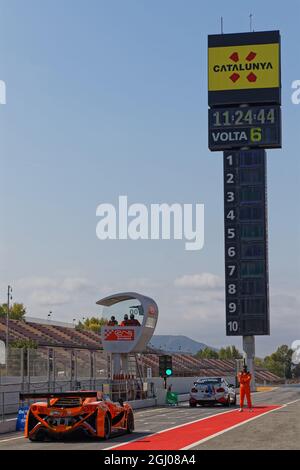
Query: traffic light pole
{"points": [[165, 382]]}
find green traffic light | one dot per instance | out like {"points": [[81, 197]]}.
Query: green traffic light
{"points": [[169, 372]]}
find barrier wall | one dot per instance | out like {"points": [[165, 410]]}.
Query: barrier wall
{"points": [[180, 384]]}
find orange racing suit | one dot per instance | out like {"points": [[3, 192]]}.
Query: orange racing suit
{"points": [[245, 379]]}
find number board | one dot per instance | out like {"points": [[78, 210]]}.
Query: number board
{"points": [[244, 126], [246, 257]]}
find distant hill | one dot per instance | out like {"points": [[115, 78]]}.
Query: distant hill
{"points": [[176, 344]]}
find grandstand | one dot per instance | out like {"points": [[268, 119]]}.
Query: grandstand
{"points": [[188, 365], [57, 336], [50, 335]]}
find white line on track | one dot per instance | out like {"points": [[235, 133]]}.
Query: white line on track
{"points": [[237, 425], [291, 402], [11, 439], [151, 411]]}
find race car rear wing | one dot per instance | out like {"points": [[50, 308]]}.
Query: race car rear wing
{"points": [[48, 395]]}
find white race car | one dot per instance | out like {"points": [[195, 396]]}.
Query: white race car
{"points": [[211, 390]]}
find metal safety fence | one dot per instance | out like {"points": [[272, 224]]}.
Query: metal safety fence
{"points": [[49, 370], [52, 364], [61, 369]]}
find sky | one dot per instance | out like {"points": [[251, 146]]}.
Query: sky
{"points": [[109, 98]]}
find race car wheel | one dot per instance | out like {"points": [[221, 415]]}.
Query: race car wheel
{"points": [[227, 403], [193, 404], [107, 427], [234, 400], [130, 422], [38, 437]]}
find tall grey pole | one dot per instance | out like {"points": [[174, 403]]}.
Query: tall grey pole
{"points": [[9, 291]]}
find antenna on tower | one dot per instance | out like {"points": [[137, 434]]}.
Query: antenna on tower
{"points": [[250, 21], [221, 24]]}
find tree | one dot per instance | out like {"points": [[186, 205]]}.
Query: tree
{"points": [[259, 362], [280, 362], [207, 353], [92, 324], [295, 370], [24, 344], [230, 352], [16, 312]]}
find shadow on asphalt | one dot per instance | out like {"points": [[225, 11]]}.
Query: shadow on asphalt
{"points": [[89, 439]]}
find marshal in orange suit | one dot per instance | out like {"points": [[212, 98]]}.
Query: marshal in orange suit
{"points": [[245, 380]]}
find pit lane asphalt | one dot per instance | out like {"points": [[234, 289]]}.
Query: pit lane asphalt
{"points": [[277, 430]]}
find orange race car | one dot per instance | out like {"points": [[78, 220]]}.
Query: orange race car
{"points": [[65, 413]]}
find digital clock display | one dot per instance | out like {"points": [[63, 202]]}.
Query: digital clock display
{"points": [[244, 116], [244, 127]]}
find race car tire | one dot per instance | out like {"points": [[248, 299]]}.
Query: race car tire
{"points": [[38, 437], [107, 427], [193, 405], [130, 422], [227, 403], [234, 401]]}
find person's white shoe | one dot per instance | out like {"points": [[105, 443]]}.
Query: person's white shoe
{"points": [[240, 410], [251, 410]]}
